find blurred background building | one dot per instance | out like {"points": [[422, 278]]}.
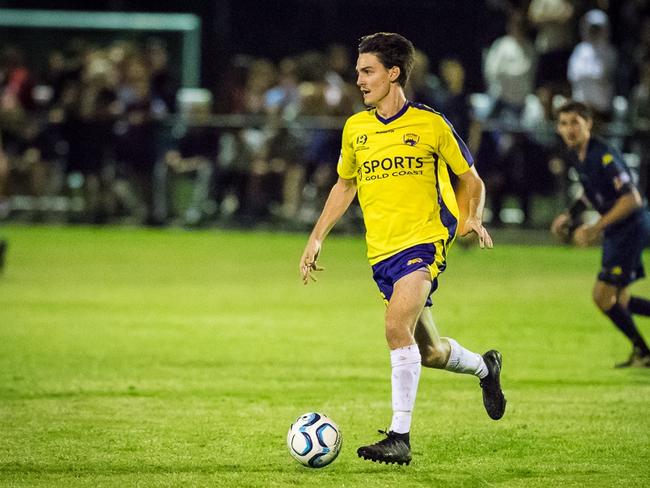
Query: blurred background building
{"points": [[202, 113]]}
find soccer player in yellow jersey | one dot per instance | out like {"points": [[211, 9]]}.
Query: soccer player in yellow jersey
{"points": [[397, 156]]}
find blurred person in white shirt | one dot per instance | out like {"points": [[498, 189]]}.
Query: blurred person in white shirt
{"points": [[592, 65], [510, 66]]}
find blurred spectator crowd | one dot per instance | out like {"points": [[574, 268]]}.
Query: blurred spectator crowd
{"points": [[105, 134]]}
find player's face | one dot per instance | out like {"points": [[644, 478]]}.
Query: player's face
{"points": [[573, 129], [373, 78]]}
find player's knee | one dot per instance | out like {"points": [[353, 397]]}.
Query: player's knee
{"points": [[392, 326], [603, 300], [398, 334]]}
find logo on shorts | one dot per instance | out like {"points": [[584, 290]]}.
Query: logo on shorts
{"points": [[414, 261], [617, 270], [411, 139]]}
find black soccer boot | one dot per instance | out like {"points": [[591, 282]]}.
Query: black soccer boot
{"points": [[636, 360], [493, 399], [395, 448]]}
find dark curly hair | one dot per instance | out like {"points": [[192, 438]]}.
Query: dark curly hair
{"points": [[392, 50], [579, 108]]}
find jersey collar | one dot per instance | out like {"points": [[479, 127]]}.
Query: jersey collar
{"points": [[401, 112]]}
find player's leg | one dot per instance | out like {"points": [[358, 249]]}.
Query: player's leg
{"points": [[612, 301], [409, 295], [639, 306], [635, 304], [444, 352], [434, 349], [621, 265], [405, 307]]}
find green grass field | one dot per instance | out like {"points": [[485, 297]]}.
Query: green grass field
{"points": [[170, 358]]}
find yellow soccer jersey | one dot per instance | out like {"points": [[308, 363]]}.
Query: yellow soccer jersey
{"points": [[401, 169]]}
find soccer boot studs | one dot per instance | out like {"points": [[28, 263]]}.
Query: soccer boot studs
{"points": [[395, 448]]}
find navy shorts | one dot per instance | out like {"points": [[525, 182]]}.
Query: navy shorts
{"points": [[622, 248], [431, 257]]}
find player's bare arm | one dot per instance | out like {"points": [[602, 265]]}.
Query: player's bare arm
{"points": [[589, 233], [471, 198], [338, 201]]}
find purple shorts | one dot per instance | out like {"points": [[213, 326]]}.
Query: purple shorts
{"points": [[431, 257]]}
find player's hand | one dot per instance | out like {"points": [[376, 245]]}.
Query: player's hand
{"points": [[308, 264], [561, 226], [474, 224], [586, 235]]}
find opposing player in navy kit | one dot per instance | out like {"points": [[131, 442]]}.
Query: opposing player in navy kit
{"points": [[624, 223]]}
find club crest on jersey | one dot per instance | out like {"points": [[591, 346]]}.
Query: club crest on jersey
{"points": [[411, 139], [607, 158]]}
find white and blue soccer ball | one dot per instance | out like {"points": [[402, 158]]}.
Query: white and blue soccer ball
{"points": [[314, 440]]}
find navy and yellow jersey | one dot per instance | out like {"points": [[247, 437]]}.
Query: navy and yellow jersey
{"points": [[401, 166], [604, 176]]}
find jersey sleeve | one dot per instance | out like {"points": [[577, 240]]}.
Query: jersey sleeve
{"points": [[347, 165], [453, 149], [617, 173]]}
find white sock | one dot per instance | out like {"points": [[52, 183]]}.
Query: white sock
{"points": [[406, 365], [463, 361]]}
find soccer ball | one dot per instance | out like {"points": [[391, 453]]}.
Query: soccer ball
{"points": [[314, 440]]}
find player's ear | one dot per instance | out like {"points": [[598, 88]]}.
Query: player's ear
{"points": [[393, 73]]}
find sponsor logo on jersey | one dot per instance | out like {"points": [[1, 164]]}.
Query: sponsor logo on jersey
{"points": [[379, 169], [387, 164]]}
